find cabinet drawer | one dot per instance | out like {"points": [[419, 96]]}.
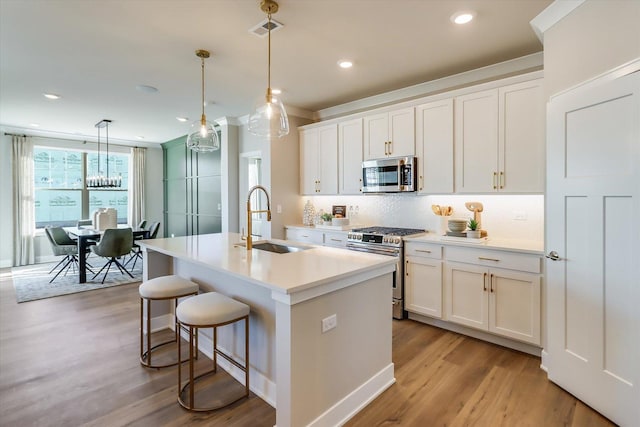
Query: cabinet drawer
{"points": [[500, 259], [335, 239], [306, 236], [423, 250]]}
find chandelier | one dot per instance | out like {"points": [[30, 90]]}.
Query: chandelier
{"points": [[100, 179], [269, 118]]}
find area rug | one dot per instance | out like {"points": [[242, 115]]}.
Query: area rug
{"points": [[32, 282]]}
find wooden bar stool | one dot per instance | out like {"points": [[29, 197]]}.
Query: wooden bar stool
{"points": [[161, 288], [210, 310]]}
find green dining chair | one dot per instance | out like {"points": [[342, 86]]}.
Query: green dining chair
{"points": [[114, 243], [63, 245]]}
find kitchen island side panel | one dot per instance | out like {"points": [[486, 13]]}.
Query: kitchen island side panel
{"points": [[343, 368]]}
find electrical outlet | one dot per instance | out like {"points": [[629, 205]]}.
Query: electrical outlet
{"points": [[279, 209], [520, 215], [329, 323]]}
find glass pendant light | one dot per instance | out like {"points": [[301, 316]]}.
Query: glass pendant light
{"points": [[269, 118], [203, 136]]}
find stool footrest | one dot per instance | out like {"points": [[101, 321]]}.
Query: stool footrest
{"points": [[184, 391]]}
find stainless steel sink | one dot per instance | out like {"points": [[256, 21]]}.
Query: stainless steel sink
{"points": [[275, 247]]}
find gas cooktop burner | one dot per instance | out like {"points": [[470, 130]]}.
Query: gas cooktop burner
{"points": [[389, 231]]}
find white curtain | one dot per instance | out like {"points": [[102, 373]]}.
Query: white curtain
{"points": [[136, 186], [24, 227]]}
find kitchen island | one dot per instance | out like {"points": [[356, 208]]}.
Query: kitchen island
{"points": [[311, 377]]}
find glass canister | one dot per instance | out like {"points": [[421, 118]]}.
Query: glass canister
{"points": [[308, 214]]}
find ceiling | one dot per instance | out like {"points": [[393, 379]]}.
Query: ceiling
{"points": [[95, 53]]}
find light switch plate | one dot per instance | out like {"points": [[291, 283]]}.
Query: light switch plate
{"points": [[329, 323]]}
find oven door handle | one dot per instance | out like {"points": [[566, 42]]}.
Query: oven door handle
{"points": [[379, 251]]}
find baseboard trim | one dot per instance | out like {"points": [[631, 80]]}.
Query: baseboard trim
{"points": [[481, 335], [6, 263], [545, 361], [355, 401]]}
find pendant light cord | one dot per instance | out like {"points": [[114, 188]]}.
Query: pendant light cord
{"points": [[203, 119], [269, 59]]}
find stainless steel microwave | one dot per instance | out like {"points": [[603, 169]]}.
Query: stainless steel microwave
{"points": [[389, 175]]}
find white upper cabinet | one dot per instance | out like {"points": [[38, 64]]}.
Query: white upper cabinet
{"points": [[390, 134], [319, 160], [499, 140], [350, 157], [434, 147]]}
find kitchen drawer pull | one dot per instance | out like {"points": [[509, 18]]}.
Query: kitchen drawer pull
{"points": [[484, 281], [423, 250], [421, 180], [491, 280], [481, 258], [335, 240], [390, 148], [386, 153], [501, 180], [494, 180], [406, 268], [304, 235]]}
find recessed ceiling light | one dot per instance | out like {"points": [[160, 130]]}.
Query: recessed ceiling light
{"points": [[51, 96], [34, 125], [276, 91], [463, 17], [343, 63], [182, 119], [146, 89]]}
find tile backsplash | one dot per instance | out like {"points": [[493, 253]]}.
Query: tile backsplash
{"points": [[504, 216]]}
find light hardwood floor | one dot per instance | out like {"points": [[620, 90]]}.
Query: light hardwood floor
{"points": [[73, 360]]}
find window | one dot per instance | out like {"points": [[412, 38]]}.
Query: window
{"points": [[61, 198]]}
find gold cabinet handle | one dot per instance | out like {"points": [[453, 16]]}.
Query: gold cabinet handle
{"points": [[421, 181], [386, 148], [406, 268], [491, 281], [335, 240], [481, 258], [501, 181], [484, 281], [494, 180], [423, 251], [390, 147]]}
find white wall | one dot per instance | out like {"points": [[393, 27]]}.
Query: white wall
{"points": [[153, 180], [595, 37]]}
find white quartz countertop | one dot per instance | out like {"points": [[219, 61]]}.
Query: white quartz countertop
{"points": [[513, 245], [284, 273]]}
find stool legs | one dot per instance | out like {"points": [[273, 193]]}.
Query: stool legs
{"points": [[193, 347], [146, 351]]}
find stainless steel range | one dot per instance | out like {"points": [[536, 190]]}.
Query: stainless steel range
{"points": [[385, 241]]}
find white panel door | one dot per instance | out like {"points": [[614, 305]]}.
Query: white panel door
{"points": [[593, 225], [350, 157]]}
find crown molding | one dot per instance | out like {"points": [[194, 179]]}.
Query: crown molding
{"points": [[553, 14], [522, 65]]}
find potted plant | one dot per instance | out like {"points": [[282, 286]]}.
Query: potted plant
{"points": [[326, 218], [473, 232]]}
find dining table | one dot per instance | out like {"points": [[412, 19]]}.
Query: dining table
{"points": [[86, 235]]}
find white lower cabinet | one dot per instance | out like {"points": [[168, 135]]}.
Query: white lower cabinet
{"points": [[423, 279], [498, 300]]}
